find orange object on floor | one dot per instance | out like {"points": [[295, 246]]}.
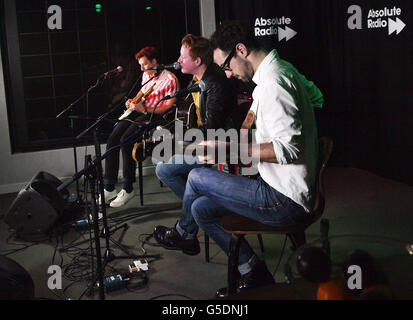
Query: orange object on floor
{"points": [[330, 291]]}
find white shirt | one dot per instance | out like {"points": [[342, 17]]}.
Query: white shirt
{"points": [[284, 108]]}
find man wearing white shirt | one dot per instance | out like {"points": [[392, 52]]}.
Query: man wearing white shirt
{"points": [[286, 150]]}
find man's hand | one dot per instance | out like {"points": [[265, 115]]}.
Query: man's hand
{"points": [[127, 103], [214, 151]]}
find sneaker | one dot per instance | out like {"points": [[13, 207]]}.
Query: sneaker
{"points": [[259, 276], [122, 198], [170, 239], [109, 196]]}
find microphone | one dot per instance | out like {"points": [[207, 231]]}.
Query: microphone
{"points": [[173, 66], [118, 69], [200, 86]]}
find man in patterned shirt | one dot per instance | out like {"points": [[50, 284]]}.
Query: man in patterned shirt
{"points": [[156, 85]]}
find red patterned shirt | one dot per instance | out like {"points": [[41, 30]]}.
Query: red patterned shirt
{"points": [[166, 84]]}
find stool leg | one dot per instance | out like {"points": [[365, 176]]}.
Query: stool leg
{"points": [[261, 242], [233, 263], [297, 239], [140, 181], [324, 228], [206, 238]]}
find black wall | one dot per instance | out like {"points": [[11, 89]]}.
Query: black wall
{"points": [[365, 75], [46, 70]]}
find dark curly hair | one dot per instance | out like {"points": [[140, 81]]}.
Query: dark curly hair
{"points": [[230, 33]]}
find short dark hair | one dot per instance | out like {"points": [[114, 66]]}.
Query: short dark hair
{"points": [[149, 52], [230, 33], [199, 47]]}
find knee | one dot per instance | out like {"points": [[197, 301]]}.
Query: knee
{"points": [[112, 140], [196, 175], [161, 170]]}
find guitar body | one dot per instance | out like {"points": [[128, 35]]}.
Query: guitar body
{"points": [[184, 112], [141, 150]]}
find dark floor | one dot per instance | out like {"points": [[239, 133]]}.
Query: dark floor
{"points": [[365, 212]]}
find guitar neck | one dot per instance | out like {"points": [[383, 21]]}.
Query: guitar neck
{"points": [[142, 95]]}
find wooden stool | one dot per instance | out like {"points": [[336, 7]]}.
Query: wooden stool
{"points": [[240, 226]]}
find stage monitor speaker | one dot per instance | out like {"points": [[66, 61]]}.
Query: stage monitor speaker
{"points": [[37, 207], [15, 282]]}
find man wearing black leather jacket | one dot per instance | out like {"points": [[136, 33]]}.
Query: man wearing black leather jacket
{"points": [[214, 106], [218, 101]]}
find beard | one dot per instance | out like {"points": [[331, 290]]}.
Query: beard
{"points": [[246, 71]]}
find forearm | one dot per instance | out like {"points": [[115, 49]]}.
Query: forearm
{"points": [[262, 152], [256, 152], [161, 108]]}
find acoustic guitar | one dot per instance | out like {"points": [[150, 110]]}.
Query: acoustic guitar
{"points": [[144, 148], [184, 112]]}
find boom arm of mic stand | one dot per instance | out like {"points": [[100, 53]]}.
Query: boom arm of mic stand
{"points": [[70, 106], [84, 171], [150, 119], [124, 99], [78, 99]]}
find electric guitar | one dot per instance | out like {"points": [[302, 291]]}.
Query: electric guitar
{"points": [[140, 97]]}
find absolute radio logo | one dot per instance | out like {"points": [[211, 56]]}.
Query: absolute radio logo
{"points": [[273, 26], [376, 19]]}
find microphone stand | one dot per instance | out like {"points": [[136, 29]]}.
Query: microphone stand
{"points": [[200, 87], [93, 173], [72, 117], [147, 124]]}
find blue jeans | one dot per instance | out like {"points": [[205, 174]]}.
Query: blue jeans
{"points": [[211, 194], [175, 172]]}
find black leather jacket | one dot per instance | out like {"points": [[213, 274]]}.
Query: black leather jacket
{"points": [[218, 101]]}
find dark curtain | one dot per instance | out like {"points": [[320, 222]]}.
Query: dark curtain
{"points": [[363, 74]]}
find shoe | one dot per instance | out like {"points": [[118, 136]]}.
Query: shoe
{"points": [[259, 276], [170, 239], [109, 196], [122, 198]]}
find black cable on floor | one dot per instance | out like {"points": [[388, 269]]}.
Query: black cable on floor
{"points": [[55, 249], [170, 295], [11, 251]]}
